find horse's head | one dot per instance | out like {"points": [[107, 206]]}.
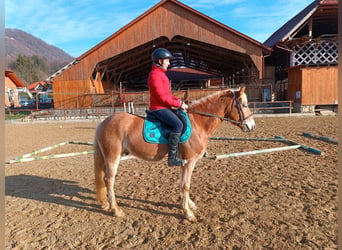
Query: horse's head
{"points": [[239, 112]]}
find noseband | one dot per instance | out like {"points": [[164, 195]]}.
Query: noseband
{"points": [[242, 117]]}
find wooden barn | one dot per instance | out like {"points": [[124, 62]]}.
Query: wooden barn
{"points": [[123, 60], [303, 64]]}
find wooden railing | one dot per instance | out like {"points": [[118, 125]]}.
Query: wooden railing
{"points": [[103, 112], [256, 107]]}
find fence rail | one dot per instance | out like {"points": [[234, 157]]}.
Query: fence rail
{"points": [[130, 107], [115, 98], [271, 107]]}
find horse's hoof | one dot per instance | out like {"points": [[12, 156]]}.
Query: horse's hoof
{"points": [[192, 218], [105, 206], [193, 207], [119, 213]]}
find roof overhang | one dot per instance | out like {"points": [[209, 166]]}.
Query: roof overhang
{"points": [[196, 41], [134, 65], [319, 14]]}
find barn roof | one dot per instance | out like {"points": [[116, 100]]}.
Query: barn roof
{"points": [[14, 78], [38, 86], [133, 65], [196, 40], [160, 4], [321, 10]]}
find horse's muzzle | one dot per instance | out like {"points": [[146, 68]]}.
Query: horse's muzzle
{"points": [[248, 125]]}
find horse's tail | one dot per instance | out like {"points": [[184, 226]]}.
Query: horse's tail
{"points": [[99, 170]]}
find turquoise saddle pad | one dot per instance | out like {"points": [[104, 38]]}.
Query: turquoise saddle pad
{"points": [[156, 132]]}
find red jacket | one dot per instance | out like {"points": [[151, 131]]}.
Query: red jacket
{"points": [[160, 90]]}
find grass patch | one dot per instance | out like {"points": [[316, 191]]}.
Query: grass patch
{"points": [[13, 115]]}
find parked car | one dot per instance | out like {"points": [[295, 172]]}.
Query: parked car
{"points": [[45, 101], [26, 102]]}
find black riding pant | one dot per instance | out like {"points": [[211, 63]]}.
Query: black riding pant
{"points": [[170, 118]]}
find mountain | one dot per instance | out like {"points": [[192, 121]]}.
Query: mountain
{"points": [[18, 42]]}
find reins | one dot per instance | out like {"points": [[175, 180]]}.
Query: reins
{"points": [[241, 114], [212, 115]]}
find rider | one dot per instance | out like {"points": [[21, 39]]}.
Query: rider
{"points": [[163, 103]]}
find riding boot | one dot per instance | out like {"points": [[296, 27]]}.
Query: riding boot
{"points": [[173, 150]]}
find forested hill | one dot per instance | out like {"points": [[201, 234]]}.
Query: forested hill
{"points": [[19, 42], [21, 46]]}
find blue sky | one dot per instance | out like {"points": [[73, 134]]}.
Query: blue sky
{"points": [[77, 26]]}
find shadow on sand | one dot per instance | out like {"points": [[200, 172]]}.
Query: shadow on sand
{"points": [[69, 193]]}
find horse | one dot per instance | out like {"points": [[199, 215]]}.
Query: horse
{"points": [[121, 134]]}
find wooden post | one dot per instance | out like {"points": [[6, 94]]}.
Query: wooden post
{"points": [[113, 99], [37, 101]]}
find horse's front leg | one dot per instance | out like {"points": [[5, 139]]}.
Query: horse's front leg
{"points": [[187, 204], [111, 170]]}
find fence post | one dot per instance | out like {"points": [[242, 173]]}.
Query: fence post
{"points": [[132, 107], [113, 99]]}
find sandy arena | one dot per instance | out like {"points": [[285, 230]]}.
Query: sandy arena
{"points": [[280, 200]]}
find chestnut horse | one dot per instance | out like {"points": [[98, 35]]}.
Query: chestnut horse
{"points": [[122, 134]]}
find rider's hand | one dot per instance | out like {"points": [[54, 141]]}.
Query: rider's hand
{"points": [[184, 106]]}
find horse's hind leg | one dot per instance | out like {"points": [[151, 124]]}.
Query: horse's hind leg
{"points": [[110, 173], [99, 170]]}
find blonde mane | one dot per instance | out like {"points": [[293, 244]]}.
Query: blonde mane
{"points": [[212, 95]]}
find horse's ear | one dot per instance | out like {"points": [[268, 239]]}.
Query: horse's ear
{"points": [[230, 92], [241, 91]]}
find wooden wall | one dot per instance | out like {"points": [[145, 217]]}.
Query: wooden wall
{"points": [[317, 85], [71, 94], [9, 83], [294, 85]]}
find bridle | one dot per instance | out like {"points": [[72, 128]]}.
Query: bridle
{"points": [[242, 117]]}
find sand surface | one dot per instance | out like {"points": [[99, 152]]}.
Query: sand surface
{"points": [[280, 200]]}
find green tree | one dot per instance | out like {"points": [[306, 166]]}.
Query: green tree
{"points": [[31, 68]]}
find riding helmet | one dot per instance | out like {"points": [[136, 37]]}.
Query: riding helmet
{"points": [[160, 53]]}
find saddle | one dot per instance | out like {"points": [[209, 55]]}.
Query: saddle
{"points": [[156, 132]]}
